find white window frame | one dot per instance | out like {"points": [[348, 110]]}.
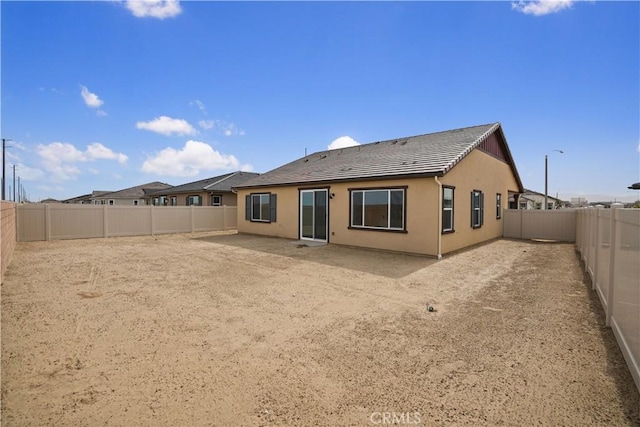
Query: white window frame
{"points": [[477, 202], [263, 199], [213, 200], [445, 209]]}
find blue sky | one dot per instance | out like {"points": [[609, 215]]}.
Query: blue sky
{"points": [[109, 95]]}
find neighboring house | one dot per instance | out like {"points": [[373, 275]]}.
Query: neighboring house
{"points": [[533, 200], [214, 191], [428, 194], [135, 196]]}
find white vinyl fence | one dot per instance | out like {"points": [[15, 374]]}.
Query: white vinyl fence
{"points": [[529, 224], [37, 222], [609, 244]]}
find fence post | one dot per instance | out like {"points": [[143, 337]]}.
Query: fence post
{"points": [[47, 223], [105, 220], [612, 260], [598, 243], [224, 217], [593, 226], [151, 219], [192, 219]]}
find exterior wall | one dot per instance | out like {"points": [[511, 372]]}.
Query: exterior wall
{"points": [[118, 202], [228, 199], [421, 218], [477, 171], [7, 235]]}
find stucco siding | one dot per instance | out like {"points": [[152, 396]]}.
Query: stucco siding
{"points": [[483, 172], [421, 199]]}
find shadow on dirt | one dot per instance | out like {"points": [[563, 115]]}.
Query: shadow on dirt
{"points": [[380, 263]]}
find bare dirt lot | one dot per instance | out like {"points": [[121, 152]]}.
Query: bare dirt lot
{"points": [[225, 329]]}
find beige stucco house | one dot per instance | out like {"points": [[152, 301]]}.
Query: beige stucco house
{"points": [[214, 191], [428, 194]]}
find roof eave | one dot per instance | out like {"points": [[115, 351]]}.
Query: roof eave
{"points": [[338, 181]]}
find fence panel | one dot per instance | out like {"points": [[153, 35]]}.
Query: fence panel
{"points": [[625, 310], [558, 225], [31, 224], [65, 221], [74, 221], [601, 282], [609, 244], [172, 219], [128, 221]]}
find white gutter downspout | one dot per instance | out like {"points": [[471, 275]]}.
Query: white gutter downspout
{"points": [[439, 217]]}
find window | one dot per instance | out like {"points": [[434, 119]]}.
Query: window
{"points": [[378, 209], [160, 201], [477, 209], [174, 201], [498, 205], [523, 205], [260, 207], [216, 200], [549, 206], [194, 201], [447, 209], [135, 203], [111, 202]]}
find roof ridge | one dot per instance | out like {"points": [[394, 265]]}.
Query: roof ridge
{"points": [[206, 187], [493, 126]]}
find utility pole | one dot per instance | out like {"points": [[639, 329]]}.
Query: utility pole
{"points": [[4, 162], [14, 183]]}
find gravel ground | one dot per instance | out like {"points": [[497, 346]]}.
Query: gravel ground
{"points": [[225, 329]]}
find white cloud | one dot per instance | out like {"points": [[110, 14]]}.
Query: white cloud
{"points": [[190, 160], [101, 113], [228, 128], [200, 106], [206, 124], [97, 151], [91, 99], [168, 126], [541, 7], [27, 173], [59, 158], [221, 126], [160, 9], [343, 142]]}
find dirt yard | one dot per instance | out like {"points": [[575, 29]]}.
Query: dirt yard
{"points": [[231, 330]]}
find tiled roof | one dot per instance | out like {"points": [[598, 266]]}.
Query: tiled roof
{"points": [[431, 154], [222, 183], [137, 192]]}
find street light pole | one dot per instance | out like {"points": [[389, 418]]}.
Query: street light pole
{"points": [[546, 179]]}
